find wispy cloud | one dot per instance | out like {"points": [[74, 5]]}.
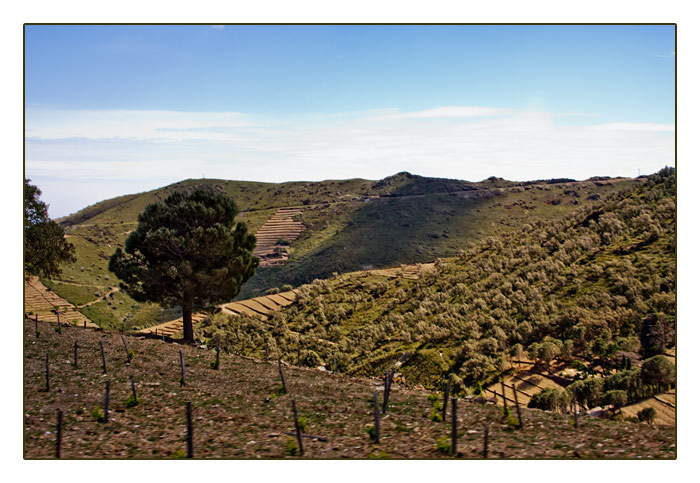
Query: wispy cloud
{"points": [[667, 56], [576, 114], [448, 112], [100, 147], [217, 27]]}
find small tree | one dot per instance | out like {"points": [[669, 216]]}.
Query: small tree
{"points": [[659, 372], [187, 250], [656, 334], [615, 398], [45, 245], [647, 415]]}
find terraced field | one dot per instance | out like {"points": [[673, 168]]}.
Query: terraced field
{"points": [[41, 303], [261, 307], [275, 236]]}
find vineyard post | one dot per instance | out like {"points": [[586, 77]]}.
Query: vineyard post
{"points": [[106, 418], [133, 387], [575, 411], [48, 385], [36, 325], [445, 398], [59, 433], [517, 407], [182, 369], [104, 359], [505, 401], [75, 353], [376, 418], [84, 323], [284, 385], [454, 425], [126, 349], [218, 351], [296, 426], [190, 452], [486, 441]]}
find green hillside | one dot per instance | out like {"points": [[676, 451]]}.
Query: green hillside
{"points": [[583, 284], [350, 225]]}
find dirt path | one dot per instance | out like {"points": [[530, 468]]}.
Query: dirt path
{"points": [[110, 292]]}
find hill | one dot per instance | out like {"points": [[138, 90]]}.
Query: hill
{"points": [[596, 286], [348, 225], [238, 411]]}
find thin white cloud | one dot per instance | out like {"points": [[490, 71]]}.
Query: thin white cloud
{"points": [[635, 126], [217, 27], [164, 146], [669, 56], [449, 112], [576, 114]]}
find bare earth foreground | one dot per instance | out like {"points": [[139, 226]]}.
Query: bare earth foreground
{"points": [[231, 418]]}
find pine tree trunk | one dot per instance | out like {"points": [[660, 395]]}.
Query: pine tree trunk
{"points": [[187, 324]]}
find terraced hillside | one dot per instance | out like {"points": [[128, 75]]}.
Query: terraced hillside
{"points": [[239, 412], [275, 236], [259, 307], [580, 287], [44, 305], [348, 225]]}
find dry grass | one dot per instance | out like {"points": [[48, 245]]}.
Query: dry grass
{"points": [[233, 420]]}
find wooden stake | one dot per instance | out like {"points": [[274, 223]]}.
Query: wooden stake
{"points": [[48, 385], [218, 349], [505, 401], [376, 418], [517, 407], [486, 442], [284, 385], [126, 349], [296, 427], [104, 359], [190, 451], [454, 425], [59, 433], [36, 325], [182, 369], [84, 323], [445, 397], [575, 411], [106, 401], [385, 402], [75, 353], [133, 387]]}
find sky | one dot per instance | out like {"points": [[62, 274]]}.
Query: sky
{"points": [[111, 110]]}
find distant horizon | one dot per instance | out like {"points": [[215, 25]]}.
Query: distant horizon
{"points": [[119, 109]]}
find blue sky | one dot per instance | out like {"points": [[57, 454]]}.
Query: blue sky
{"points": [[119, 109]]}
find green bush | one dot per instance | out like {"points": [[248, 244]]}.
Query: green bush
{"points": [[131, 401], [178, 454], [443, 445], [550, 399], [371, 431], [647, 415], [292, 448], [302, 421], [98, 415]]}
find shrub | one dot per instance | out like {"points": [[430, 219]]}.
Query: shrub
{"points": [[311, 359], [615, 398], [371, 431], [550, 399], [647, 415], [292, 447], [302, 421], [443, 445], [131, 401], [98, 415], [659, 372], [178, 454]]}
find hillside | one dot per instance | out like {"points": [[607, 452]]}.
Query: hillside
{"points": [[594, 285], [348, 225], [237, 411]]}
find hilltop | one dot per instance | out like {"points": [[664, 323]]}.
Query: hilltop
{"points": [[348, 225], [238, 411]]}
